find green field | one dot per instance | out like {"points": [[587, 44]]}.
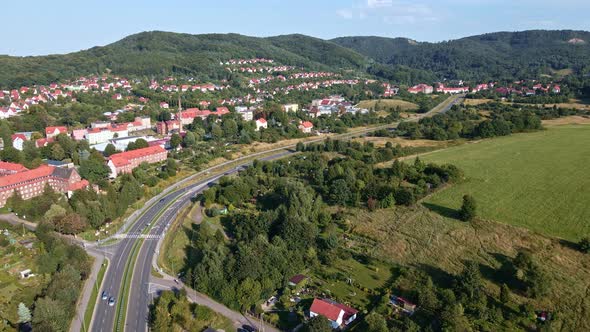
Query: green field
{"points": [[535, 180]]}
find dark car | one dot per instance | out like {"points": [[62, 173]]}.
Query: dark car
{"points": [[249, 328]]}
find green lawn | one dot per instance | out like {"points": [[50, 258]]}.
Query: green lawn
{"points": [[536, 180]]}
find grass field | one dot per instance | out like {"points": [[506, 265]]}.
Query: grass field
{"points": [[440, 246], [535, 180], [403, 105]]}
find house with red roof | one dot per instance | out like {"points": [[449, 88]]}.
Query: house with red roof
{"points": [[338, 314], [164, 105], [18, 140], [125, 162], [261, 123], [306, 127], [51, 132], [556, 89], [421, 88], [31, 183]]}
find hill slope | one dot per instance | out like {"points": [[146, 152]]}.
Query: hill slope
{"points": [[489, 56], [155, 53]]}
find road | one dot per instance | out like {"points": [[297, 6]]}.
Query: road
{"points": [[164, 208]]}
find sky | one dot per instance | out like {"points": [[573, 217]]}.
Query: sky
{"points": [[39, 27]]}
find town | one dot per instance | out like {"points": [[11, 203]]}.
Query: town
{"points": [[222, 182]]}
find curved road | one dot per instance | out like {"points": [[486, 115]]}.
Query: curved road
{"points": [[164, 210]]}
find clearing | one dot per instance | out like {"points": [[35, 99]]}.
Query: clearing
{"points": [[536, 180], [402, 104]]}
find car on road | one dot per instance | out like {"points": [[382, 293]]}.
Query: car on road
{"points": [[104, 295], [249, 328], [111, 301]]}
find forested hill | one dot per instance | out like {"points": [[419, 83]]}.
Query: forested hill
{"points": [[493, 56], [165, 53], [509, 55]]}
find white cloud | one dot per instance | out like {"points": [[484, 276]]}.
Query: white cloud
{"points": [[391, 11], [345, 13], [379, 3]]}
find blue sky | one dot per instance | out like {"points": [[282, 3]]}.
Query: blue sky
{"points": [[38, 27]]}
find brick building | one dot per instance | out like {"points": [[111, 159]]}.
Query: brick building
{"points": [[125, 162], [31, 183], [7, 168]]}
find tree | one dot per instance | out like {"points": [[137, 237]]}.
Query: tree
{"points": [[57, 152], [318, 323], [468, 208], [376, 323], [50, 315], [175, 140], [24, 314], [71, 223], [189, 140], [109, 150], [505, 295], [585, 245]]}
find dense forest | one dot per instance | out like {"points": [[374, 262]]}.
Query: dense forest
{"points": [[165, 53], [493, 56]]}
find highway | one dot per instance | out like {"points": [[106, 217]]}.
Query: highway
{"points": [[163, 209]]}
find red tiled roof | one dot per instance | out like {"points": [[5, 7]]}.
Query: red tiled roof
{"points": [[61, 129], [307, 124], [78, 185], [41, 171], [326, 309], [12, 166], [123, 158], [261, 120]]}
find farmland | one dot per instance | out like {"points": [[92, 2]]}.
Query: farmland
{"points": [[389, 103], [536, 180]]}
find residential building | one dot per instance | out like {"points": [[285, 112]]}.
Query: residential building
{"points": [[18, 140], [338, 314], [291, 107], [246, 113], [402, 304], [306, 127], [31, 183], [125, 162], [421, 88], [51, 132], [261, 123], [166, 127]]}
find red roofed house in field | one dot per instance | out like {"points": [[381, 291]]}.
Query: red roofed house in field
{"points": [[7, 168], [338, 314], [54, 131], [31, 183], [125, 162], [556, 89], [306, 127]]}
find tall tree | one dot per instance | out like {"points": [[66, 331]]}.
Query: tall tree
{"points": [[468, 208], [24, 313]]}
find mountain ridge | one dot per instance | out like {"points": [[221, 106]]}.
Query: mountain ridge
{"points": [[489, 56]]}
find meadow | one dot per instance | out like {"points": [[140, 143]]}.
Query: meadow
{"points": [[535, 180]]}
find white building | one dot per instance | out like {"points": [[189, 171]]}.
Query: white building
{"points": [[261, 123]]}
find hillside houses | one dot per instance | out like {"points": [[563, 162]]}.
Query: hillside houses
{"points": [[338, 314]]}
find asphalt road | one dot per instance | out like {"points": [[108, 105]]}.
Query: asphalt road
{"points": [[139, 296]]}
